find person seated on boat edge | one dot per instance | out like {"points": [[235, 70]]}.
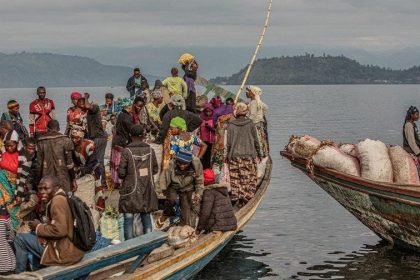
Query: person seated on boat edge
{"points": [[178, 110], [86, 162], [216, 212], [135, 81], [243, 152], [183, 178], [411, 140], [49, 242], [137, 193]]}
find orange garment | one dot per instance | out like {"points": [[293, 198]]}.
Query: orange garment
{"points": [[9, 162]]}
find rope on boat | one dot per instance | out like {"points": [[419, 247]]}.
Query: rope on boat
{"points": [[256, 51]]}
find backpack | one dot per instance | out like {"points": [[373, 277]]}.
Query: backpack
{"points": [[84, 234]]}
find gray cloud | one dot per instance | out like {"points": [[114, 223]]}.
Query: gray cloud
{"points": [[51, 24]]}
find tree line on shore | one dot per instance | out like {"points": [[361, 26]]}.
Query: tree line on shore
{"points": [[310, 69]]}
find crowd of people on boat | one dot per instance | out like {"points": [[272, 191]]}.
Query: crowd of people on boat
{"points": [[209, 152]]}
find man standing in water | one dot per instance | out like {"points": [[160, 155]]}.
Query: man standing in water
{"points": [[41, 111], [134, 82]]}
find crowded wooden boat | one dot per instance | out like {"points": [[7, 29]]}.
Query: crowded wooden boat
{"points": [[152, 185]]}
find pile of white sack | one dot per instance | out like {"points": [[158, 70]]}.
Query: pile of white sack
{"points": [[369, 159]]}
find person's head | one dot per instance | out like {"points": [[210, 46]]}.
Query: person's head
{"points": [[13, 107], [209, 177], [47, 188], [136, 72], [80, 103], [5, 126], [229, 101], [137, 132], [158, 85], [77, 136], [412, 114], [208, 111], [138, 104], [53, 125], [177, 101], [177, 125], [11, 146], [174, 72], [216, 101], [113, 119], [41, 92], [183, 159], [253, 92], [75, 96], [157, 96], [241, 109], [109, 98], [29, 145]]}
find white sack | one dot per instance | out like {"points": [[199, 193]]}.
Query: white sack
{"points": [[332, 157], [403, 166], [374, 161], [349, 149], [306, 145]]}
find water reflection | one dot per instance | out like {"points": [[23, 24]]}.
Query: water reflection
{"points": [[236, 262], [380, 261]]}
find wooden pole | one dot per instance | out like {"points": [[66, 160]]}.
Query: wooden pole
{"points": [[255, 53]]}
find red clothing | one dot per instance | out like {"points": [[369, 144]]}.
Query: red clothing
{"points": [[207, 127], [9, 162], [41, 112]]}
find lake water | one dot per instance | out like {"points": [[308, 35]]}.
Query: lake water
{"points": [[299, 232]]}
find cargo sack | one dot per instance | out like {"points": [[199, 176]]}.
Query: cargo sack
{"points": [[109, 224], [181, 236], [86, 189], [306, 145], [374, 161], [332, 157], [403, 166], [349, 149]]}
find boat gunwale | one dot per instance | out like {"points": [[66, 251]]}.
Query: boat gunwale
{"points": [[383, 186], [209, 241]]}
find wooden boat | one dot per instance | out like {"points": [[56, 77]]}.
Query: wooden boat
{"points": [[392, 211], [188, 261]]}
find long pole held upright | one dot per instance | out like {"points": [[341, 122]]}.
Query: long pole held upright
{"points": [[255, 53]]}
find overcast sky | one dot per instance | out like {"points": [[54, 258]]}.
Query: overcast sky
{"points": [[51, 24]]}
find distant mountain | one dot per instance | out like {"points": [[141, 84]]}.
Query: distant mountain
{"points": [[52, 70], [310, 69]]}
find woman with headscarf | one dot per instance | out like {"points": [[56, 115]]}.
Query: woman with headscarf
{"points": [[8, 173], [411, 141], [243, 150], [76, 115], [257, 111], [190, 67]]}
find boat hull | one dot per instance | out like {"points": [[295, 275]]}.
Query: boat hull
{"points": [[392, 213]]}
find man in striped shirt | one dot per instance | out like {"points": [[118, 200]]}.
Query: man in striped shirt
{"points": [[24, 179]]}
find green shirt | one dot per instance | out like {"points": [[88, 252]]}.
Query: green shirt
{"points": [[176, 85]]}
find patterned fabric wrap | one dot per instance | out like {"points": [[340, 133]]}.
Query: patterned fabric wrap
{"points": [[262, 138], [243, 179], [115, 162], [7, 191], [219, 144]]}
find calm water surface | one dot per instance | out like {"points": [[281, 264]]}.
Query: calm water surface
{"points": [[299, 232]]}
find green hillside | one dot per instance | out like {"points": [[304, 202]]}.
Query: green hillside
{"points": [[312, 70]]}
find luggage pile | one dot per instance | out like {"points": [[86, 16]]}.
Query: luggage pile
{"points": [[369, 159]]}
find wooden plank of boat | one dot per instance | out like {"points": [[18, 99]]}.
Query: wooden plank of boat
{"points": [[392, 211], [188, 261], [98, 259]]}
